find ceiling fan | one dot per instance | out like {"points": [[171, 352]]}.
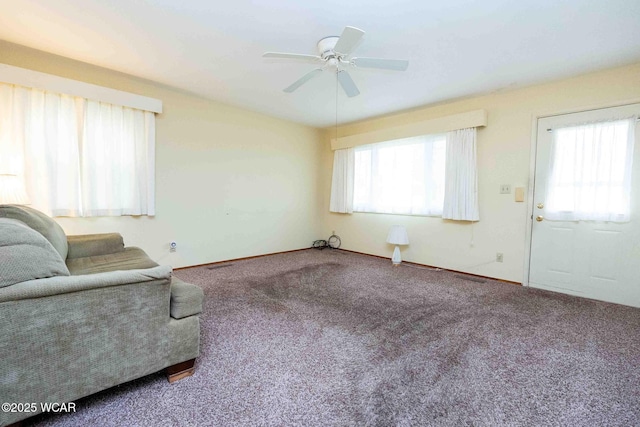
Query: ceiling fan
{"points": [[334, 53]]}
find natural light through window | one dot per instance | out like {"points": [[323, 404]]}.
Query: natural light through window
{"points": [[401, 177], [78, 156], [590, 172]]}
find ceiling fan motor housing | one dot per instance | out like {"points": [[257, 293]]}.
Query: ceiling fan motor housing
{"points": [[326, 45]]}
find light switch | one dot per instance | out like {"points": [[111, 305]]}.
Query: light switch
{"points": [[505, 189], [519, 194]]}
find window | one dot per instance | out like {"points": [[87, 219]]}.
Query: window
{"points": [[590, 172], [78, 156], [434, 175], [405, 176]]}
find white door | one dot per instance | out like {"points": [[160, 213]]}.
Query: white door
{"points": [[581, 243]]}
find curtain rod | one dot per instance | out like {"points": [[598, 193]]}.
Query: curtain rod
{"points": [[551, 129]]}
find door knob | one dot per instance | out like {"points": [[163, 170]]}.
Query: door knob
{"points": [[539, 218]]}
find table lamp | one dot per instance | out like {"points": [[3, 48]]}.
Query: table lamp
{"points": [[397, 236]]}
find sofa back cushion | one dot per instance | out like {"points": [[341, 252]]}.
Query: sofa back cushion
{"points": [[39, 222], [26, 255]]}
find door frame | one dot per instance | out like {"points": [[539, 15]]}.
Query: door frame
{"points": [[532, 169]]}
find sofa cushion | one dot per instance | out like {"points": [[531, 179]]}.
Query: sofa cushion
{"points": [[186, 299], [26, 255], [130, 258], [94, 244], [39, 222]]}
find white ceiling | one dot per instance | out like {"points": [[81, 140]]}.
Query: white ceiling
{"points": [[456, 48]]}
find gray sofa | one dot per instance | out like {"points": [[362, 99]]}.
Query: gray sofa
{"points": [[81, 314]]}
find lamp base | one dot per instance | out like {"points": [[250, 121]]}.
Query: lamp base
{"points": [[396, 259]]}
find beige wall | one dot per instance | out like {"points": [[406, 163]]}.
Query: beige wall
{"points": [[229, 183], [504, 147]]}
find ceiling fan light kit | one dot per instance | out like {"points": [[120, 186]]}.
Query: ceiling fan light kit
{"points": [[334, 54]]}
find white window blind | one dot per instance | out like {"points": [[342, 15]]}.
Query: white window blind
{"points": [[78, 157], [590, 172]]}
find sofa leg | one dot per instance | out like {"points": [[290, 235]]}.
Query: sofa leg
{"points": [[181, 370]]}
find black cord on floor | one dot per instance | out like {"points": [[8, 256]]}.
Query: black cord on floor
{"points": [[333, 242]]}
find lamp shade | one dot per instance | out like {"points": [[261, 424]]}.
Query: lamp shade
{"points": [[398, 235], [12, 190]]}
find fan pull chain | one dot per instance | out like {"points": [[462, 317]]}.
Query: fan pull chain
{"points": [[337, 71]]}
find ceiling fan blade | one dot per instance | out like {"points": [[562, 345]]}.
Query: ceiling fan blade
{"points": [[387, 64], [348, 40], [291, 56], [302, 80], [347, 83]]}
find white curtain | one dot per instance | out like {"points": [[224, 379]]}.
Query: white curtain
{"points": [[117, 160], [342, 181], [401, 177], [590, 172], [51, 148], [461, 182], [78, 157]]}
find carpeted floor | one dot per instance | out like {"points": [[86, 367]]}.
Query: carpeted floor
{"points": [[331, 338]]}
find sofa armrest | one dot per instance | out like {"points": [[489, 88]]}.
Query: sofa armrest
{"points": [[40, 288], [63, 338], [86, 245], [186, 299]]}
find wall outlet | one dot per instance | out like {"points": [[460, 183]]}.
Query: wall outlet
{"points": [[505, 189], [173, 246], [499, 257]]}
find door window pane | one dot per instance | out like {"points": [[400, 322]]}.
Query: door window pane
{"points": [[590, 172]]}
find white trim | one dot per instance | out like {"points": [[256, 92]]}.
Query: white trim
{"points": [[530, 201], [444, 124], [591, 107], [49, 82]]}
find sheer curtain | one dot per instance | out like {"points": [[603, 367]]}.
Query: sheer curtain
{"points": [[51, 147], [78, 157], [461, 182], [401, 177], [117, 160], [590, 172], [342, 181]]}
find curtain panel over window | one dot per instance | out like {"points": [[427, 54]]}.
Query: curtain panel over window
{"points": [[461, 180], [342, 181], [590, 172], [78, 157]]}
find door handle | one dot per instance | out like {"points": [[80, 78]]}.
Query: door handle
{"points": [[539, 218]]}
